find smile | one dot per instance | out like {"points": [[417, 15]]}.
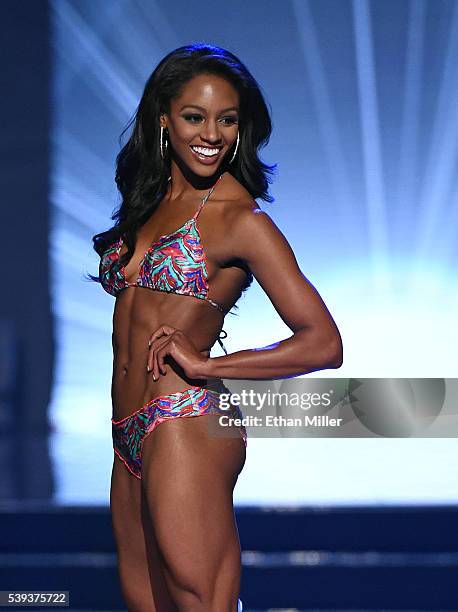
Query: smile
{"points": [[205, 152]]}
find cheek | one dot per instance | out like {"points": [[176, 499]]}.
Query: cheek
{"points": [[184, 133]]}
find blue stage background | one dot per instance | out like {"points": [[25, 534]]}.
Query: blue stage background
{"points": [[363, 97]]}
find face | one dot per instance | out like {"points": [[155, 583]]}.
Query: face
{"points": [[203, 123]]}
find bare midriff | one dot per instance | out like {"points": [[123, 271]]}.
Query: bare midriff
{"points": [[138, 313]]}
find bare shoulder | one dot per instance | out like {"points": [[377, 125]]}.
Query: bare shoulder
{"points": [[238, 207], [235, 216], [241, 222]]}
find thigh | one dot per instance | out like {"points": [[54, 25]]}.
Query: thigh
{"points": [[139, 562], [188, 477]]}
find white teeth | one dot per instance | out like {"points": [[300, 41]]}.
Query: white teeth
{"points": [[205, 151]]}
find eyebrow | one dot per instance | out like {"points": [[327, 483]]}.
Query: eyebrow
{"points": [[203, 109]]}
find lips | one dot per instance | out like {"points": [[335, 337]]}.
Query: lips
{"points": [[207, 159]]}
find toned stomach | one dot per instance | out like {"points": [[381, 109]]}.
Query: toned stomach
{"points": [[137, 314]]}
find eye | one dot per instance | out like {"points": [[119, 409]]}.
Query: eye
{"points": [[192, 118], [229, 120], [196, 118]]}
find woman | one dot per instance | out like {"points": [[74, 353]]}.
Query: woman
{"points": [[187, 241]]}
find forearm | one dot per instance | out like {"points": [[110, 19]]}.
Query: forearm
{"points": [[306, 351]]}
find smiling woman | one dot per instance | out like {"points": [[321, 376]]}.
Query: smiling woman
{"points": [[209, 133], [189, 226]]}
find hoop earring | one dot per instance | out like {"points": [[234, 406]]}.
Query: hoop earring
{"points": [[236, 147], [161, 143]]}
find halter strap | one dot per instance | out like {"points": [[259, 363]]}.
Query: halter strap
{"points": [[220, 338], [206, 197]]}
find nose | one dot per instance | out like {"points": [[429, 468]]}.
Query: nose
{"points": [[210, 132]]}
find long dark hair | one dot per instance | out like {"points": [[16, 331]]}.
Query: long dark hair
{"points": [[141, 173]]}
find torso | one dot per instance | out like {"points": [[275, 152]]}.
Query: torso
{"points": [[139, 311]]}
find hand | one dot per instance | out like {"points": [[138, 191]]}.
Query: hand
{"points": [[167, 340]]}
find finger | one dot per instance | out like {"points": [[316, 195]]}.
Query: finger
{"points": [[158, 360], [160, 357], [152, 361], [163, 330]]}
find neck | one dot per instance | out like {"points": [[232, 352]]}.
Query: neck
{"points": [[184, 183]]}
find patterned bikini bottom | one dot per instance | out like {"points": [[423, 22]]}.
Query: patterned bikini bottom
{"points": [[130, 432]]}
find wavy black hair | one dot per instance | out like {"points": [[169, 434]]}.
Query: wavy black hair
{"points": [[142, 174]]}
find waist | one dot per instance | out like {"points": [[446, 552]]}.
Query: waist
{"points": [[135, 319], [133, 386]]}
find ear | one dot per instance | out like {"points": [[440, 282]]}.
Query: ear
{"points": [[163, 121]]}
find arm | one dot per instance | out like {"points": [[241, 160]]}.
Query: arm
{"points": [[315, 344]]}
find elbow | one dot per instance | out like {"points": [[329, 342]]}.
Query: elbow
{"points": [[329, 349], [324, 351], [334, 353]]}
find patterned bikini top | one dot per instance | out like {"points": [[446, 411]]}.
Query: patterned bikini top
{"points": [[175, 263]]}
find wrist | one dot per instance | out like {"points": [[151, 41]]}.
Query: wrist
{"points": [[205, 368]]}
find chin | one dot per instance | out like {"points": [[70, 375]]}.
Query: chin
{"points": [[204, 170]]}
